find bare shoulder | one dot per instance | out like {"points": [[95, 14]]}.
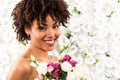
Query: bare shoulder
{"points": [[20, 70], [23, 64]]}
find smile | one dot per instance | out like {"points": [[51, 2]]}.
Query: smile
{"points": [[50, 42]]}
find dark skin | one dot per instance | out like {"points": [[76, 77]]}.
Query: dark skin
{"points": [[43, 39]]}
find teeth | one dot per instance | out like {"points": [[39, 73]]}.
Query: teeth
{"points": [[52, 41]]}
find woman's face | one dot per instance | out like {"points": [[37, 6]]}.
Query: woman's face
{"points": [[45, 36]]}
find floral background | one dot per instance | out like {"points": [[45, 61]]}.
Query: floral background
{"points": [[93, 26]]}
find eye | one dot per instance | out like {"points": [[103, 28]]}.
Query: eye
{"points": [[42, 28], [55, 26]]}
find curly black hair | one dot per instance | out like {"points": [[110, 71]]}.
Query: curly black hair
{"points": [[28, 10]]}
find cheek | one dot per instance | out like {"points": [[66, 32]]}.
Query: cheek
{"points": [[40, 35], [37, 36]]}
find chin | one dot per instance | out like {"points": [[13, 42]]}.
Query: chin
{"points": [[50, 49]]}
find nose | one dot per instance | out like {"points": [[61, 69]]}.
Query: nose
{"points": [[50, 33]]}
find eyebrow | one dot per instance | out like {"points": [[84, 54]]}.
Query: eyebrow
{"points": [[46, 24], [55, 23]]}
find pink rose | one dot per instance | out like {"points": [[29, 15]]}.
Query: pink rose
{"points": [[73, 63], [66, 58], [56, 66], [56, 73]]}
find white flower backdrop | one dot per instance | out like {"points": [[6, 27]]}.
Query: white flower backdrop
{"points": [[94, 26]]}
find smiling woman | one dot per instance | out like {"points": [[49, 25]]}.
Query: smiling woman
{"points": [[37, 21]]}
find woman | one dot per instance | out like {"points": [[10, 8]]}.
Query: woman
{"points": [[37, 21]]}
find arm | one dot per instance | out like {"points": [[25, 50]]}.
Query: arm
{"points": [[19, 71]]}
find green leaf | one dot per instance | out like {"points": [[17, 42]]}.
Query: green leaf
{"points": [[72, 43], [68, 35], [76, 11], [118, 1], [60, 58], [63, 75], [97, 60], [63, 48], [111, 13], [91, 34], [107, 54], [66, 47], [82, 78], [32, 58], [85, 55], [22, 43]]}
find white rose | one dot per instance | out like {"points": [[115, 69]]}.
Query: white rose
{"points": [[42, 68], [36, 79], [71, 76], [66, 66]]}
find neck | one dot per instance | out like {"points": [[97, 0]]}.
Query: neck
{"points": [[38, 53]]}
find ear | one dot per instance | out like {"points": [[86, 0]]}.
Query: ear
{"points": [[27, 30]]}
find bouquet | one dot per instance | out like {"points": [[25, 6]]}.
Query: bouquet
{"points": [[65, 69]]}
